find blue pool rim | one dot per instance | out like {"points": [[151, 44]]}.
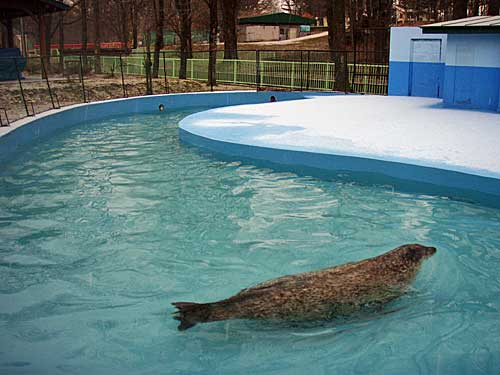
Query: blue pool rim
{"points": [[400, 176]]}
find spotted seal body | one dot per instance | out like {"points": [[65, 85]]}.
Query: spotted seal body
{"points": [[315, 295]]}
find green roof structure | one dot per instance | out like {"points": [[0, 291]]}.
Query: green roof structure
{"points": [[277, 19]]}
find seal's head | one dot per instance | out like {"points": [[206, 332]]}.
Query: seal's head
{"points": [[415, 253]]}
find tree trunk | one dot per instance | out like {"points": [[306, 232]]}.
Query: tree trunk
{"points": [[9, 34], [493, 8], [459, 9], [184, 10], [97, 38], [48, 39], [61, 43], [335, 13], [133, 18], [475, 8], [43, 40], [229, 19], [147, 64], [159, 36], [123, 25], [381, 21], [83, 5], [212, 41]]}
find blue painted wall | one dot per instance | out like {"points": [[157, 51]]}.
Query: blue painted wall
{"points": [[399, 78], [426, 79], [404, 177], [472, 87], [472, 73], [416, 79], [467, 74], [46, 124], [416, 63]]}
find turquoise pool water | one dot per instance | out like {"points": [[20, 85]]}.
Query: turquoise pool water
{"points": [[104, 225]]}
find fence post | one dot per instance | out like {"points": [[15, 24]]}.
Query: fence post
{"points": [[354, 67], [123, 78], [7, 122], [346, 73], [308, 69], [235, 70], [47, 80], [292, 76], [301, 71], [212, 68], [257, 69], [328, 76], [192, 68], [81, 79], [167, 89], [21, 86]]}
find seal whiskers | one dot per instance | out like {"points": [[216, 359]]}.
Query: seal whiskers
{"points": [[326, 293]]}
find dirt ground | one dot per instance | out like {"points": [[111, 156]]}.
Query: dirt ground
{"points": [[69, 91], [316, 44]]}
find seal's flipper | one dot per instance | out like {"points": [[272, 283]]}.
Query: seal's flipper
{"points": [[185, 324], [190, 313]]}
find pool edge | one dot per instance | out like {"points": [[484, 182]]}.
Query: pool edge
{"points": [[401, 176]]}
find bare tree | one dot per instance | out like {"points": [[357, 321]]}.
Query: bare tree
{"points": [[295, 6], [335, 12], [159, 11], [97, 37], [184, 11], [124, 27], [134, 20], [252, 7], [147, 64], [61, 42], [83, 9], [212, 42], [459, 9], [493, 8], [230, 10]]}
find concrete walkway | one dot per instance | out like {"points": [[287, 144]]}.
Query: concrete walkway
{"points": [[415, 131]]}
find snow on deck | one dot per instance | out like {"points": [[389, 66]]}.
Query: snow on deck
{"points": [[410, 130]]}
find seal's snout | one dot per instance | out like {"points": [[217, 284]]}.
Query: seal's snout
{"points": [[431, 251], [426, 251]]}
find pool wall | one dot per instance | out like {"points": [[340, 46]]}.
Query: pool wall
{"points": [[26, 131], [405, 177], [400, 176]]}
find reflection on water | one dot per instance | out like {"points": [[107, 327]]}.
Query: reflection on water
{"points": [[105, 225]]}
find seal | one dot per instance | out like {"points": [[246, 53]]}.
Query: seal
{"points": [[315, 295]]}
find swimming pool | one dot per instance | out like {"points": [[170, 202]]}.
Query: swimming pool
{"points": [[106, 223]]}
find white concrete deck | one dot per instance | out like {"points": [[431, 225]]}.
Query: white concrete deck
{"points": [[415, 131]]}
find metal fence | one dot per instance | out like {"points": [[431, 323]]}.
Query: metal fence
{"points": [[40, 83]]}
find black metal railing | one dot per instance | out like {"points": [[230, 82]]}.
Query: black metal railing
{"points": [[39, 83]]}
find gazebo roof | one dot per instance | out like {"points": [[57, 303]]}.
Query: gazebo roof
{"points": [[21, 8]]}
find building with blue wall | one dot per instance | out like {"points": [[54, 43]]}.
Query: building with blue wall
{"points": [[416, 63], [458, 61]]}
